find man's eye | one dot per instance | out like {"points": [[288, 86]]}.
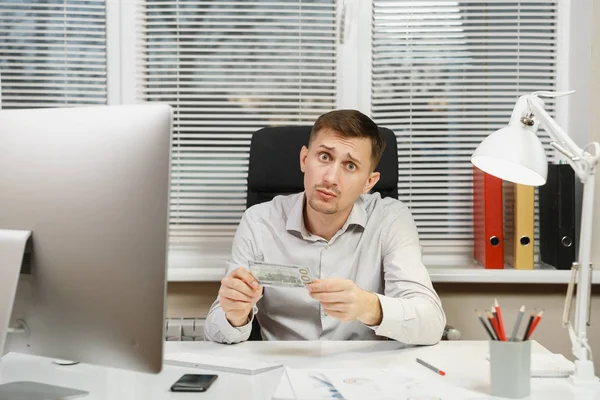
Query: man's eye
{"points": [[351, 166], [324, 156]]}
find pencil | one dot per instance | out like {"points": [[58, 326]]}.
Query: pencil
{"points": [[495, 321], [495, 317], [531, 317], [487, 328], [500, 322], [431, 367], [513, 337], [494, 324], [535, 323]]}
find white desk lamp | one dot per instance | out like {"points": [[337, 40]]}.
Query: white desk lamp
{"points": [[516, 154]]}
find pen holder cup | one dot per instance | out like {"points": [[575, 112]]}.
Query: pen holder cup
{"points": [[510, 368]]}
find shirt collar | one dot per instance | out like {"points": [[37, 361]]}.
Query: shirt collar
{"points": [[295, 220], [358, 215]]}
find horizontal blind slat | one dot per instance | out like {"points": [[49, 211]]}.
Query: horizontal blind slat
{"points": [[444, 76], [53, 54], [226, 76]]}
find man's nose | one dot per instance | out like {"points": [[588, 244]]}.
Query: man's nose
{"points": [[332, 174]]}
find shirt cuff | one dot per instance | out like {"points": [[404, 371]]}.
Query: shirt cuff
{"points": [[393, 321], [232, 333]]}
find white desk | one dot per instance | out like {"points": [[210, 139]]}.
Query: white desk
{"points": [[463, 361]]}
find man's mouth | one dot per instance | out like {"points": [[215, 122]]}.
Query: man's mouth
{"points": [[326, 193]]}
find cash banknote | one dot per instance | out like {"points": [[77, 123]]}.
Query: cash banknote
{"points": [[269, 274]]}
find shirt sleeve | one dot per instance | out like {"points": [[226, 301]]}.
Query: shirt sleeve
{"points": [[412, 311], [217, 328]]}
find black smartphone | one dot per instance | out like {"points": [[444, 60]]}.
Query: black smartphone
{"points": [[193, 383]]}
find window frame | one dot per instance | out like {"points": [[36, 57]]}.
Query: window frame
{"points": [[575, 28]]}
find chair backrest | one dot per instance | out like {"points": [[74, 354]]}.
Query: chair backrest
{"points": [[275, 163]]}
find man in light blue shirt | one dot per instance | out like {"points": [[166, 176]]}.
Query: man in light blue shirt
{"points": [[363, 250]]}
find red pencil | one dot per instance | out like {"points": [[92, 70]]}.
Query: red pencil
{"points": [[537, 319], [494, 324], [531, 317], [500, 323]]}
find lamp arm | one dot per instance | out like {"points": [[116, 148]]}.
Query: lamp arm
{"points": [[583, 162]]}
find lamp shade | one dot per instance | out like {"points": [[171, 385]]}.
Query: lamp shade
{"points": [[513, 154]]}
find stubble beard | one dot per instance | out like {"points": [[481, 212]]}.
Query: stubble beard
{"points": [[328, 209]]}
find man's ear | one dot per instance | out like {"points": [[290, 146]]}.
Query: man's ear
{"points": [[303, 155], [373, 179]]}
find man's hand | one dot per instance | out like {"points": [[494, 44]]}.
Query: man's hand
{"points": [[342, 299], [239, 292]]}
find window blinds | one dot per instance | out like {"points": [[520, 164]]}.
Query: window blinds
{"points": [[52, 53], [229, 68], [445, 74]]}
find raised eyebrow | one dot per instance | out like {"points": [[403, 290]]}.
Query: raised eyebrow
{"points": [[327, 148], [354, 160], [331, 149]]}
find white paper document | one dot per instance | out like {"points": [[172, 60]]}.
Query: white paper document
{"points": [[218, 363], [551, 366], [306, 385], [371, 384]]}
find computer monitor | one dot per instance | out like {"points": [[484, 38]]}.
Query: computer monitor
{"points": [[91, 184]]}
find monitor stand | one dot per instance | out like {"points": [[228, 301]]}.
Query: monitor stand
{"points": [[12, 251], [37, 391]]}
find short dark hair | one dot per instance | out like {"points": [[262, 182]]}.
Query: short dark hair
{"points": [[352, 123]]}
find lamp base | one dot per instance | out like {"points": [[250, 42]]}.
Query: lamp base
{"points": [[584, 373]]}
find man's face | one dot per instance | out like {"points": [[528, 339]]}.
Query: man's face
{"points": [[336, 171]]}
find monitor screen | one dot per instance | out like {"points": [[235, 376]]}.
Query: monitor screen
{"points": [[92, 186]]}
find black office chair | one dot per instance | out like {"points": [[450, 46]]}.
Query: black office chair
{"points": [[275, 169], [275, 164]]}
